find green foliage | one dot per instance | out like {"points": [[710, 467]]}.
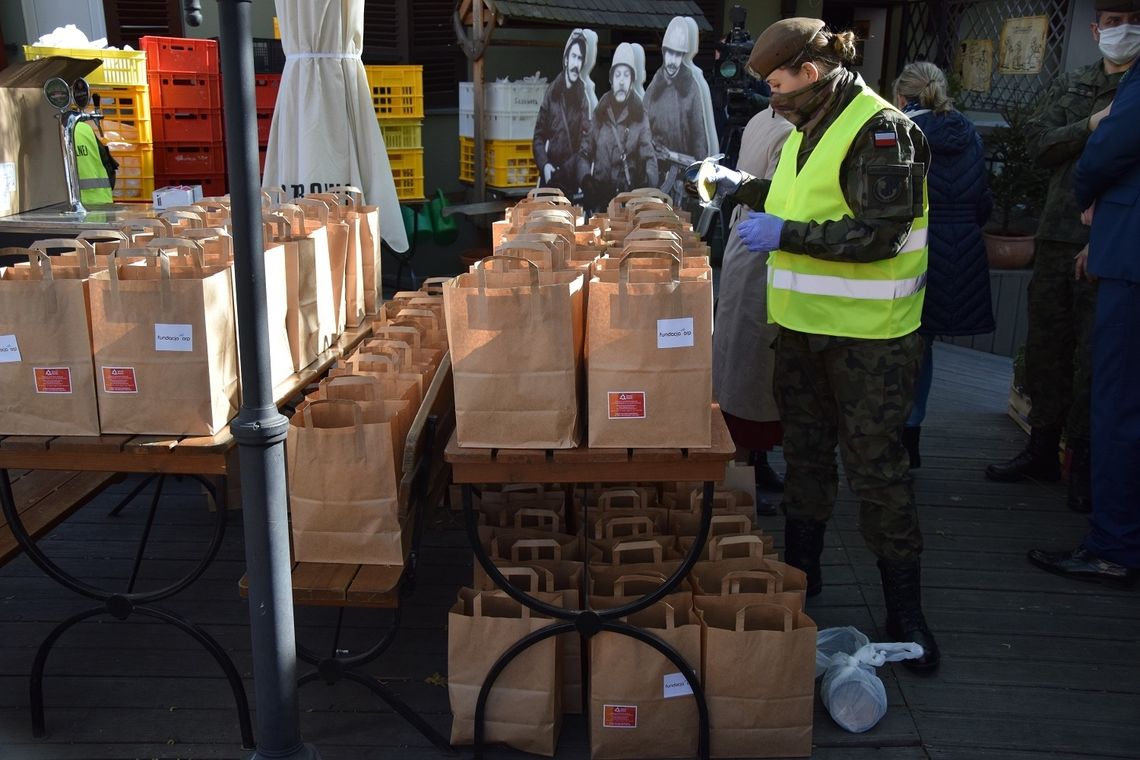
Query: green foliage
{"points": [[1017, 182]]}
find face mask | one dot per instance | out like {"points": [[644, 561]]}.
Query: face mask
{"points": [[1120, 44], [799, 106]]}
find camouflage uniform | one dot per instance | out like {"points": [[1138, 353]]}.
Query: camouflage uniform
{"points": [[1057, 360], [856, 392]]}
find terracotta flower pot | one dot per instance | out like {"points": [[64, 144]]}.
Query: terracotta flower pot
{"points": [[1008, 251]]}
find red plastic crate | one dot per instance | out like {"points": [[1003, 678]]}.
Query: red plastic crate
{"points": [[213, 185], [264, 122], [178, 159], [261, 151], [180, 55], [173, 91], [198, 125], [265, 87]]}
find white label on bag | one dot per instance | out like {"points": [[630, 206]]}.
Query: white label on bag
{"points": [[173, 337], [9, 351], [675, 333], [676, 686]]}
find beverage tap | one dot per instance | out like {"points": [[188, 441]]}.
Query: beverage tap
{"points": [[71, 101]]}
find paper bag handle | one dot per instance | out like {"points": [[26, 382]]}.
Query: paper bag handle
{"points": [[477, 603], [156, 226], [717, 544], [398, 330], [434, 285], [724, 499], [84, 253], [306, 412], [481, 271], [283, 225], [639, 525], [534, 545], [623, 580], [721, 525], [606, 498], [649, 234], [673, 262], [752, 611], [521, 246], [732, 581], [175, 215], [320, 208], [532, 575], [158, 255], [179, 244], [102, 236], [545, 192], [546, 519], [40, 262], [628, 547]]}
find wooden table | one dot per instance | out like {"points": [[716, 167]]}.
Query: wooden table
{"points": [[586, 465], [206, 459]]}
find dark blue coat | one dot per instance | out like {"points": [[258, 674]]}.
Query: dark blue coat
{"points": [[1109, 173], [958, 278]]}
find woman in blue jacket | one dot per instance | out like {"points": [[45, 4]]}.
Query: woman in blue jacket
{"points": [[958, 278]]}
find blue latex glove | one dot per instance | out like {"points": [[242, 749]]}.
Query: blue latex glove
{"points": [[760, 232]]}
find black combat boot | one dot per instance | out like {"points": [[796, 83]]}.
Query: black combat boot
{"points": [[902, 590], [910, 438], [803, 544], [1080, 482], [1038, 461]]}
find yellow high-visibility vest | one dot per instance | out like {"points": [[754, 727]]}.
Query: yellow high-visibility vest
{"points": [[881, 299], [94, 185]]}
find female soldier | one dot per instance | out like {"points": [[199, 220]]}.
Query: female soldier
{"points": [[845, 221]]}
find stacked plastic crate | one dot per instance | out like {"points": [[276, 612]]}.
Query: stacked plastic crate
{"points": [[510, 111], [186, 100], [398, 98], [268, 63], [121, 85]]}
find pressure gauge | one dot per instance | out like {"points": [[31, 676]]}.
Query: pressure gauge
{"points": [[80, 93], [58, 93]]}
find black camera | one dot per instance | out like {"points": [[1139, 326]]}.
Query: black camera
{"points": [[736, 94]]}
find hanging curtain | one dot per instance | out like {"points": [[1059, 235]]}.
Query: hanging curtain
{"points": [[324, 129]]}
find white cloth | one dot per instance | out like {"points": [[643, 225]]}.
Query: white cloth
{"points": [[743, 359], [324, 130]]}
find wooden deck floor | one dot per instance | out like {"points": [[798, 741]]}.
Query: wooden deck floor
{"points": [[1034, 667]]}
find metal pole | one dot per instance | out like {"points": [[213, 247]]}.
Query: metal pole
{"points": [[259, 428]]}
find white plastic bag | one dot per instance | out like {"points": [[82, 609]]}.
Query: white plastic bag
{"points": [[851, 691]]}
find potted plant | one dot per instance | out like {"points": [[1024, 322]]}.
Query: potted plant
{"points": [[1018, 186]]}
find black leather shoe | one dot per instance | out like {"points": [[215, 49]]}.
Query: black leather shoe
{"points": [[1080, 565], [1038, 461]]}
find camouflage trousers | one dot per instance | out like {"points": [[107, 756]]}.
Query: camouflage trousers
{"points": [[1058, 355], [857, 394]]}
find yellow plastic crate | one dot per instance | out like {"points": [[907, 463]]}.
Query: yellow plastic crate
{"points": [[134, 163], [408, 172], [126, 114], [401, 133], [134, 189], [121, 68], [276, 29], [506, 163], [397, 91]]}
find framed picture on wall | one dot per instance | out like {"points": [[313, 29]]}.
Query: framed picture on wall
{"points": [[1022, 46]]}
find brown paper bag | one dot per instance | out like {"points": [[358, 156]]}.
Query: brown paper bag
{"points": [[342, 460], [368, 237], [516, 350], [649, 349], [769, 715], [528, 544], [523, 709], [550, 576], [640, 704], [310, 319], [45, 349], [165, 345]]}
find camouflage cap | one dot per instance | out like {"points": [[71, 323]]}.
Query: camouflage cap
{"points": [[781, 42], [1120, 6]]}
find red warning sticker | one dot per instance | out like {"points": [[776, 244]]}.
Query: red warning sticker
{"points": [[619, 716], [120, 380], [626, 405], [53, 379]]}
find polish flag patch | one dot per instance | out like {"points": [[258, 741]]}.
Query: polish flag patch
{"points": [[885, 140]]}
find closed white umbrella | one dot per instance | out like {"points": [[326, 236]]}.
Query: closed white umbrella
{"points": [[324, 129]]}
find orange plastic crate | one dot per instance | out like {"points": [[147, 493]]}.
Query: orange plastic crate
{"points": [[265, 87], [188, 125], [397, 91], [180, 54], [177, 159], [173, 90]]}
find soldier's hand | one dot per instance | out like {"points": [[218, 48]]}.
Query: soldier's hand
{"points": [[1096, 118], [1087, 214], [760, 232], [1081, 266]]}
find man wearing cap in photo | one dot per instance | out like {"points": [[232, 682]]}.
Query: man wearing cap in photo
{"points": [[674, 101], [1061, 307], [564, 118], [844, 229], [1107, 185], [617, 153]]}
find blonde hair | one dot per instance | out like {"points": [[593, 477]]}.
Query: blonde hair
{"points": [[924, 82]]}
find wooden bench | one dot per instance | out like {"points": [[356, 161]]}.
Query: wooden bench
{"points": [[45, 498]]}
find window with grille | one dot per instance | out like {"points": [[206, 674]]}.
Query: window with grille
{"points": [[127, 20], [417, 31], [933, 31]]}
